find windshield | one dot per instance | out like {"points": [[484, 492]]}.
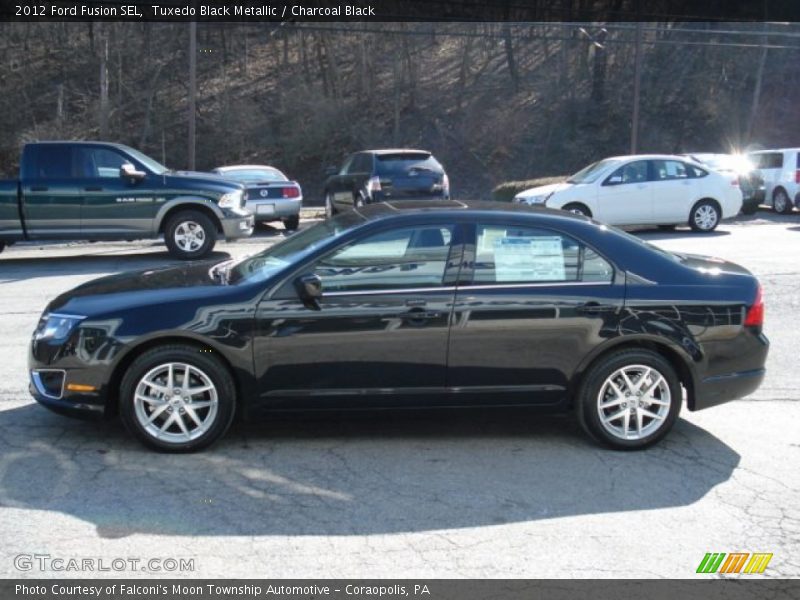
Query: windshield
{"points": [[592, 172], [253, 175], [151, 165], [267, 263]]}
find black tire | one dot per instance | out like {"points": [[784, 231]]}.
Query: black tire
{"points": [[206, 363], [701, 219], [781, 202], [330, 208], [578, 209], [291, 223], [193, 222], [749, 209], [2, 246], [587, 400]]}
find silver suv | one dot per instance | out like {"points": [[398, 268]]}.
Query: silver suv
{"points": [[781, 172]]}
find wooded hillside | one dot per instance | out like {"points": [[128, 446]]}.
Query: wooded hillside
{"points": [[493, 101]]}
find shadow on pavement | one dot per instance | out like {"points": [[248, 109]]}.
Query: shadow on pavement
{"points": [[347, 474]]}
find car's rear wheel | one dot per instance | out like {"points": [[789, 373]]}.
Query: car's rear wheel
{"points": [[291, 223], [177, 398], [577, 209], [330, 209], [705, 216], [630, 399], [781, 202], [190, 235]]}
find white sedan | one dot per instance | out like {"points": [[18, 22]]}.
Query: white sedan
{"points": [[662, 190]]}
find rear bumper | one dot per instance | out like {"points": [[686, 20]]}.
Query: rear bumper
{"points": [[724, 388], [271, 209]]}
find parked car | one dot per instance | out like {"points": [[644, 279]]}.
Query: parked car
{"points": [[270, 195], [391, 306], [103, 191], [781, 172], [653, 189], [740, 171], [379, 175]]}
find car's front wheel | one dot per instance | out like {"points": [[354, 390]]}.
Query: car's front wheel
{"points": [[577, 209], [189, 234], [630, 399], [705, 216], [330, 209], [177, 398]]}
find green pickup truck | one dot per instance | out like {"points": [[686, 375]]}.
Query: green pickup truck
{"points": [[102, 191]]}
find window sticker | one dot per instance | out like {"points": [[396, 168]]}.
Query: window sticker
{"points": [[529, 259], [487, 239]]}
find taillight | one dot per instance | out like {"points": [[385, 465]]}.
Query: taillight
{"points": [[374, 184], [755, 315], [290, 192], [797, 176]]}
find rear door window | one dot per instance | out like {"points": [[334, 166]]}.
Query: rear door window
{"points": [[47, 161], [665, 170], [511, 254]]}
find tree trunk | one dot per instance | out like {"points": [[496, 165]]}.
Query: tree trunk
{"points": [[508, 43], [104, 106]]}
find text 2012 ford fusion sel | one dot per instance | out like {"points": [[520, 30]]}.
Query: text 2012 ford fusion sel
{"points": [[401, 304]]}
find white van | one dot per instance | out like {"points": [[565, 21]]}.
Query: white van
{"points": [[781, 172]]}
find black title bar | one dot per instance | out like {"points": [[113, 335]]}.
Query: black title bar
{"points": [[400, 10]]}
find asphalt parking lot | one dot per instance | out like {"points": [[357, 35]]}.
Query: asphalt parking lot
{"points": [[417, 495]]}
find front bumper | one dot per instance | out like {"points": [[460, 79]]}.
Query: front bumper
{"points": [[58, 399], [237, 224], [274, 208]]}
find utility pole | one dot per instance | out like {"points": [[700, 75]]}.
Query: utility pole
{"points": [[192, 91], [637, 81]]}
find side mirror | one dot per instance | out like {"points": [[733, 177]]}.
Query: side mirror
{"points": [[331, 171], [614, 180], [309, 288], [129, 172]]}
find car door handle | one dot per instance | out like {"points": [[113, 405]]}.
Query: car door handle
{"points": [[39, 188], [93, 188]]}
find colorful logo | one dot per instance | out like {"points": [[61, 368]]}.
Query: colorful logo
{"points": [[736, 562]]}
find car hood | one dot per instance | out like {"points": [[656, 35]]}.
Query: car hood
{"points": [[546, 190], [207, 180], [150, 287]]}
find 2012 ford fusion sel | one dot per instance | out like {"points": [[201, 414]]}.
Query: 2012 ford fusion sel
{"points": [[411, 304]]}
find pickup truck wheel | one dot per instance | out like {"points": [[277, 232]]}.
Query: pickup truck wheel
{"points": [[291, 223], [190, 234]]}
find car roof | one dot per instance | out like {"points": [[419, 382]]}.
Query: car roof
{"points": [[243, 167], [647, 157], [393, 208], [382, 151], [774, 150], [79, 143]]}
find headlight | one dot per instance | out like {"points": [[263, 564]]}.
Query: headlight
{"points": [[56, 326], [531, 199], [231, 199]]}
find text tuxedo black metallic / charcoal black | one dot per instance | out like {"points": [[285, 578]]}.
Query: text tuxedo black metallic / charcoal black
{"points": [[411, 304]]}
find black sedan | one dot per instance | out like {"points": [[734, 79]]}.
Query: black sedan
{"points": [[411, 304]]}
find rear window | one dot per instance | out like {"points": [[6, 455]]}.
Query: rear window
{"points": [[253, 175], [401, 163]]}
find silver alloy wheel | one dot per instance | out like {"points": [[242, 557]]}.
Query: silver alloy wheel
{"points": [[634, 402], [189, 236], [705, 217], [176, 402], [781, 202]]}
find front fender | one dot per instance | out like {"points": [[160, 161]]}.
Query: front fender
{"points": [[186, 202]]}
